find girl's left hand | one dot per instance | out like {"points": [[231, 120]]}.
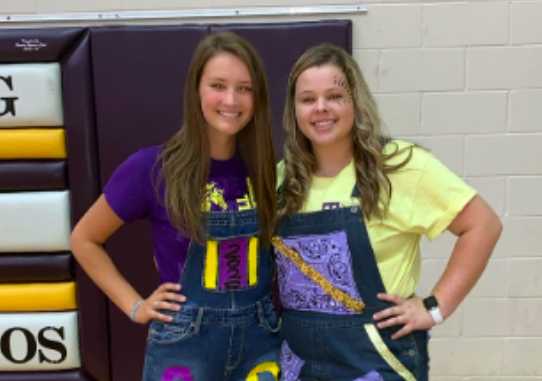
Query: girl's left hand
{"points": [[411, 313]]}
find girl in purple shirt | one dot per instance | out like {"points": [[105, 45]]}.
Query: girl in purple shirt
{"points": [[209, 196]]}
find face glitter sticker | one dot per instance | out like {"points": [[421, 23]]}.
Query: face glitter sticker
{"points": [[342, 83]]}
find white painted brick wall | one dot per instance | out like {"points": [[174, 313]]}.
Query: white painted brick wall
{"points": [[464, 79]]}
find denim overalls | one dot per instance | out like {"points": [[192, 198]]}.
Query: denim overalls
{"points": [[323, 339], [227, 329]]}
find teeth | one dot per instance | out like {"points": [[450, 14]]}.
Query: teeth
{"points": [[229, 114], [323, 123]]}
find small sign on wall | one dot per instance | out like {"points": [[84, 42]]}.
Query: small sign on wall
{"points": [[39, 341], [30, 95]]}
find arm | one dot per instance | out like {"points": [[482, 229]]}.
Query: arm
{"points": [[478, 228], [87, 240]]}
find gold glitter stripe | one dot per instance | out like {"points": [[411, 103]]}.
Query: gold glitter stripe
{"points": [[386, 354], [211, 266], [337, 294], [253, 261]]}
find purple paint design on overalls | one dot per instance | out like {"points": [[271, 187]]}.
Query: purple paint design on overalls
{"points": [[371, 376], [232, 256], [328, 254], [290, 364], [177, 374]]}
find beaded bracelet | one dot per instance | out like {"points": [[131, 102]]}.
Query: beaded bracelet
{"points": [[134, 310]]}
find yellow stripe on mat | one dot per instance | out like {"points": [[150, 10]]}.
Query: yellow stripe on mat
{"points": [[386, 354], [32, 144], [37, 297]]}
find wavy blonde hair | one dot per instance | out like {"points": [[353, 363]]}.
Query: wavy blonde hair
{"points": [[186, 156], [367, 137]]}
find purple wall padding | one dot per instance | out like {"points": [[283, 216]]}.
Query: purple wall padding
{"points": [[31, 268], [74, 375], [26, 175], [139, 75], [79, 121], [280, 45], [36, 45]]}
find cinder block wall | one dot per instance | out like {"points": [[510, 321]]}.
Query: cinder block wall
{"points": [[465, 80]]}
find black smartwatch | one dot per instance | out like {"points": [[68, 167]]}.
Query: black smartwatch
{"points": [[432, 306]]}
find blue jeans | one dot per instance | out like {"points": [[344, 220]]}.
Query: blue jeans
{"points": [[204, 344], [349, 348]]}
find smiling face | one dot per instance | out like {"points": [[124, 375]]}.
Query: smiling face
{"points": [[324, 107], [225, 91]]}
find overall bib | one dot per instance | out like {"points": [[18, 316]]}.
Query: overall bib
{"points": [[227, 329], [327, 326]]}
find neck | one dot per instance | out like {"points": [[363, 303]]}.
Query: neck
{"points": [[223, 148], [330, 161]]}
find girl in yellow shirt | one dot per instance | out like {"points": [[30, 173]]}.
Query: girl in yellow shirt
{"points": [[353, 206]]}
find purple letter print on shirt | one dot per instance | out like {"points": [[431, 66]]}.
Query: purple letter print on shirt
{"points": [[290, 363], [233, 263], [177, 374], [328, 254]]}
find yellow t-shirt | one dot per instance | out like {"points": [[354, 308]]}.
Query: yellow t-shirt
{"points": [[426, 197]]}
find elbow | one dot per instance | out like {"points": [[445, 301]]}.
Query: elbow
{"points": [[497, 227]]}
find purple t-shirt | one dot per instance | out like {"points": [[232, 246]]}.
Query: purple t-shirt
{"points": [[130, 193]]}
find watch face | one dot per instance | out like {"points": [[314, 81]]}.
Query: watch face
{"points": [[430, 302]]}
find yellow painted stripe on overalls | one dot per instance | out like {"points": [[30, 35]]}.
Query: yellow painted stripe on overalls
{"points": [[32, 144], [38, 297], [386, 354], [211, 266], [253, 261], [270, 367]]}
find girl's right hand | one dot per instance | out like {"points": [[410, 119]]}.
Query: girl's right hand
{"points": [[164, 297]]}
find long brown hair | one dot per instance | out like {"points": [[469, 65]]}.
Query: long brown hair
{"points": [[186, 156], [368, 139]]}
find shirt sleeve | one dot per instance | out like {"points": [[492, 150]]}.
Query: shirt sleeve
{"points": [[129, 191], [439, 197]]}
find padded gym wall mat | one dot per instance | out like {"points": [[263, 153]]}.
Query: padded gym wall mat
{"points": [[32, 144], [37, 297], [39, 342], [35, 221], [29, 175], [37, 45], [68, 50], [36, 267], [31, 94]]}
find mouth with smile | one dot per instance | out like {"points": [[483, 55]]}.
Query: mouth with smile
{"points": [[324, 124], [229, 114]]}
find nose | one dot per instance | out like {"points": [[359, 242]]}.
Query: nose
{"points": [[321, 105], [230, 97]]}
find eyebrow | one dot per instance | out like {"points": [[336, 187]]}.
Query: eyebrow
{"points": [[330, 89], [249, 82]]}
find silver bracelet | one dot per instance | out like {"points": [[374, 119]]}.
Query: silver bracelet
{"points": [[134, 310]]}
